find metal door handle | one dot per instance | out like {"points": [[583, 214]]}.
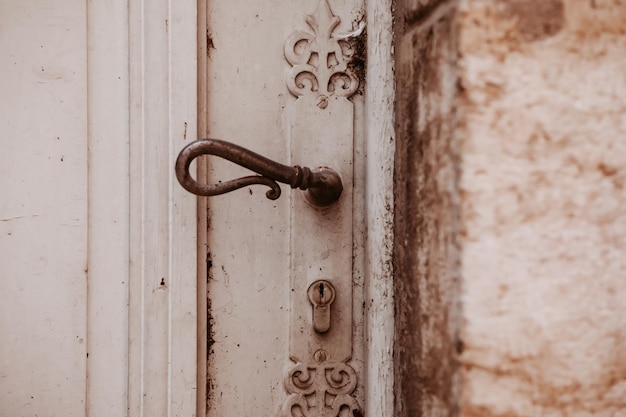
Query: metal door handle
{"points": [[323, 184]]}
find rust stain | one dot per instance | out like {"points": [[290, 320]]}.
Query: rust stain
{"points": [[536, 19], [210, 331], [209, 43], [607, 170], [358, 59]]}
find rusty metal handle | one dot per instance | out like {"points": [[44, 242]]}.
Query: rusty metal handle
{"points": [[323, 184]]}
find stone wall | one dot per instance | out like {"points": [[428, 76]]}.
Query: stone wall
{"points": [[511, 209], [427, 211]]}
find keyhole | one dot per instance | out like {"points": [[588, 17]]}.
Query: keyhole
{"points": [[321, 294]]}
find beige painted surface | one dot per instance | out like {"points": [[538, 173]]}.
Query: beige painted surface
{"points": [[91, 219], [249, 249], [378, 208], [108, 214], [98, 286], [162, 294], [43, 208], [543, 142]]}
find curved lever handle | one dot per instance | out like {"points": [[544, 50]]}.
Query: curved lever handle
{"points": [[323, 184]]}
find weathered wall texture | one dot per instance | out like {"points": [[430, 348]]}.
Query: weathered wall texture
{"points": [[512, 201], [427, 214], [543, 144]]}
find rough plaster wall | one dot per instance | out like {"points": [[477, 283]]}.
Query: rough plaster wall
{"points": [[510, 175], [426, 212], [543, 144]]}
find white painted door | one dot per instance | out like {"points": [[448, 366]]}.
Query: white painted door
{"points": [[98, 309], [43, 208], [273, 80], [99, 287]]}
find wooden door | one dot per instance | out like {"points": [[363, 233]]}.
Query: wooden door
{"points": [[97, 243], [43, 208], [272, 81], [103, 298]]}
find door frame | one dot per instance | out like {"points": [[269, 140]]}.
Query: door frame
{"points": [[379, 204]]}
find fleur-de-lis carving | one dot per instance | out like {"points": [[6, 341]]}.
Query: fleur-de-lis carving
{"points": [[320, 59]]}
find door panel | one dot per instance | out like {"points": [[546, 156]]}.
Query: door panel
{"points": [[97, 242], [248, 234], [108, 189], [251, 240], [162, 294], [43, 209]]}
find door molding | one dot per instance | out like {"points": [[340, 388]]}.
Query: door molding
{"points": [[380, 145], [108, 213], [163, 118]]}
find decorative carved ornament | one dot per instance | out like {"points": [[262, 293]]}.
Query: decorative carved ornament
{"points": [[320, 59], [320, 390], [321, 382]]}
